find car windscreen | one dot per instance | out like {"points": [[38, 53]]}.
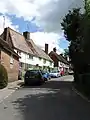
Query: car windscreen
{"points": [[54, 71], [32, 73], [43, 73]]}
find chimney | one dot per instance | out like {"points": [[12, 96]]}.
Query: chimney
{"points": [[46, 48], [26, 35], [6, 35], [61, 54], [54, 49]]}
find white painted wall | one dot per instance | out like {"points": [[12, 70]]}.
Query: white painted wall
{"points": [[25, 59]]}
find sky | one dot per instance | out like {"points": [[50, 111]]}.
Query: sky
{"points": [[41, 18]]}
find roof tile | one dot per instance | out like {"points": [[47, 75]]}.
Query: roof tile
{"points": [[28, 46]]}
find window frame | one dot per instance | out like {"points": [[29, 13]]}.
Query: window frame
{"points": [[11, 59], [30, 57]]}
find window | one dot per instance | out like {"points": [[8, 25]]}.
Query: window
{"points": [[11, 66], [26, 66], [19, 53], [50, 63], [33, 74], [44, 61], [39, 58], [30, 57], [11, 59], [22, 64]]}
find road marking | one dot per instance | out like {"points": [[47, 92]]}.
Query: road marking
{"points": [[80, 94], [9, 94], [1, 101]]}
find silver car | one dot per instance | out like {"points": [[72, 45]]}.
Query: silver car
{"points": [[55, 74]]}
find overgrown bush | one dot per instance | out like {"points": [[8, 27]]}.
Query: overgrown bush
{"points": [[3, 77], [83, 84]]}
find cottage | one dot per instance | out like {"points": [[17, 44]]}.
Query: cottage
{"points": [[9, 59], [30, 53], [60, 62]]}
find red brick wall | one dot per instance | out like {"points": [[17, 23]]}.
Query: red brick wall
{"points": [[12, 72]]}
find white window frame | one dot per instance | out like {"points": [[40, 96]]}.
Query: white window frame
{"points": [[11, 59], [30, 57]]}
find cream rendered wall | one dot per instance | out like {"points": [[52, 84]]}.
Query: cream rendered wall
{"points": [[36, 60]]}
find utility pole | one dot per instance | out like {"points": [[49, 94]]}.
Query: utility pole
{"points": [[3, 21]]}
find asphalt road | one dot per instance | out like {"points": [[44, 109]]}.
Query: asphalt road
{"points": [[54, 100]]}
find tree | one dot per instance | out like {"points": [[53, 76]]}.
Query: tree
{"points": [[87, 27], [66, 52], [3, 77], [72, 27], [73, 31], [76, 27]]}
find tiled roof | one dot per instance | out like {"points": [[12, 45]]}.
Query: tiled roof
{"points": [[38, 51], [59, 57], [28, 46], [19, 41]]}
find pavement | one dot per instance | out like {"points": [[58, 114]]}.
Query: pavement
{"points": [[54, 100], [11, 87]]}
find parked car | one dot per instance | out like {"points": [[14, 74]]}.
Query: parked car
{"points": [[46, 75], [70, 72], [33, 77], [55, 74]]}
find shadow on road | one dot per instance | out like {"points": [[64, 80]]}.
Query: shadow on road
{"points": [[51, 101], [52, 84]]}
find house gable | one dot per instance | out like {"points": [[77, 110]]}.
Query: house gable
{"points": [[5, 47], [6, 37], [54, 58]]}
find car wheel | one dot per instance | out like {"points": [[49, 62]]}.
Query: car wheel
{"points": [[57, 76], [46, 79], [26, 83], [41, 82]]}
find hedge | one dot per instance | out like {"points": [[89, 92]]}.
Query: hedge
{"points": [[3, 77]]}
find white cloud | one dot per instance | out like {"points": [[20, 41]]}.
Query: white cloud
{"points": [[40, 38], [21, 8], [7, 23], [52, 13], [48, 13]]}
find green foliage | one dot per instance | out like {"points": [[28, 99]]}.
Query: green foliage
{"points": [[3, 77], [66, 52], [71, 24], [87, 7], [87, 27], [73, 31], [76, 27]]}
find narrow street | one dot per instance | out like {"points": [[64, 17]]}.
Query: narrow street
{"points": [[54, 100]]}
